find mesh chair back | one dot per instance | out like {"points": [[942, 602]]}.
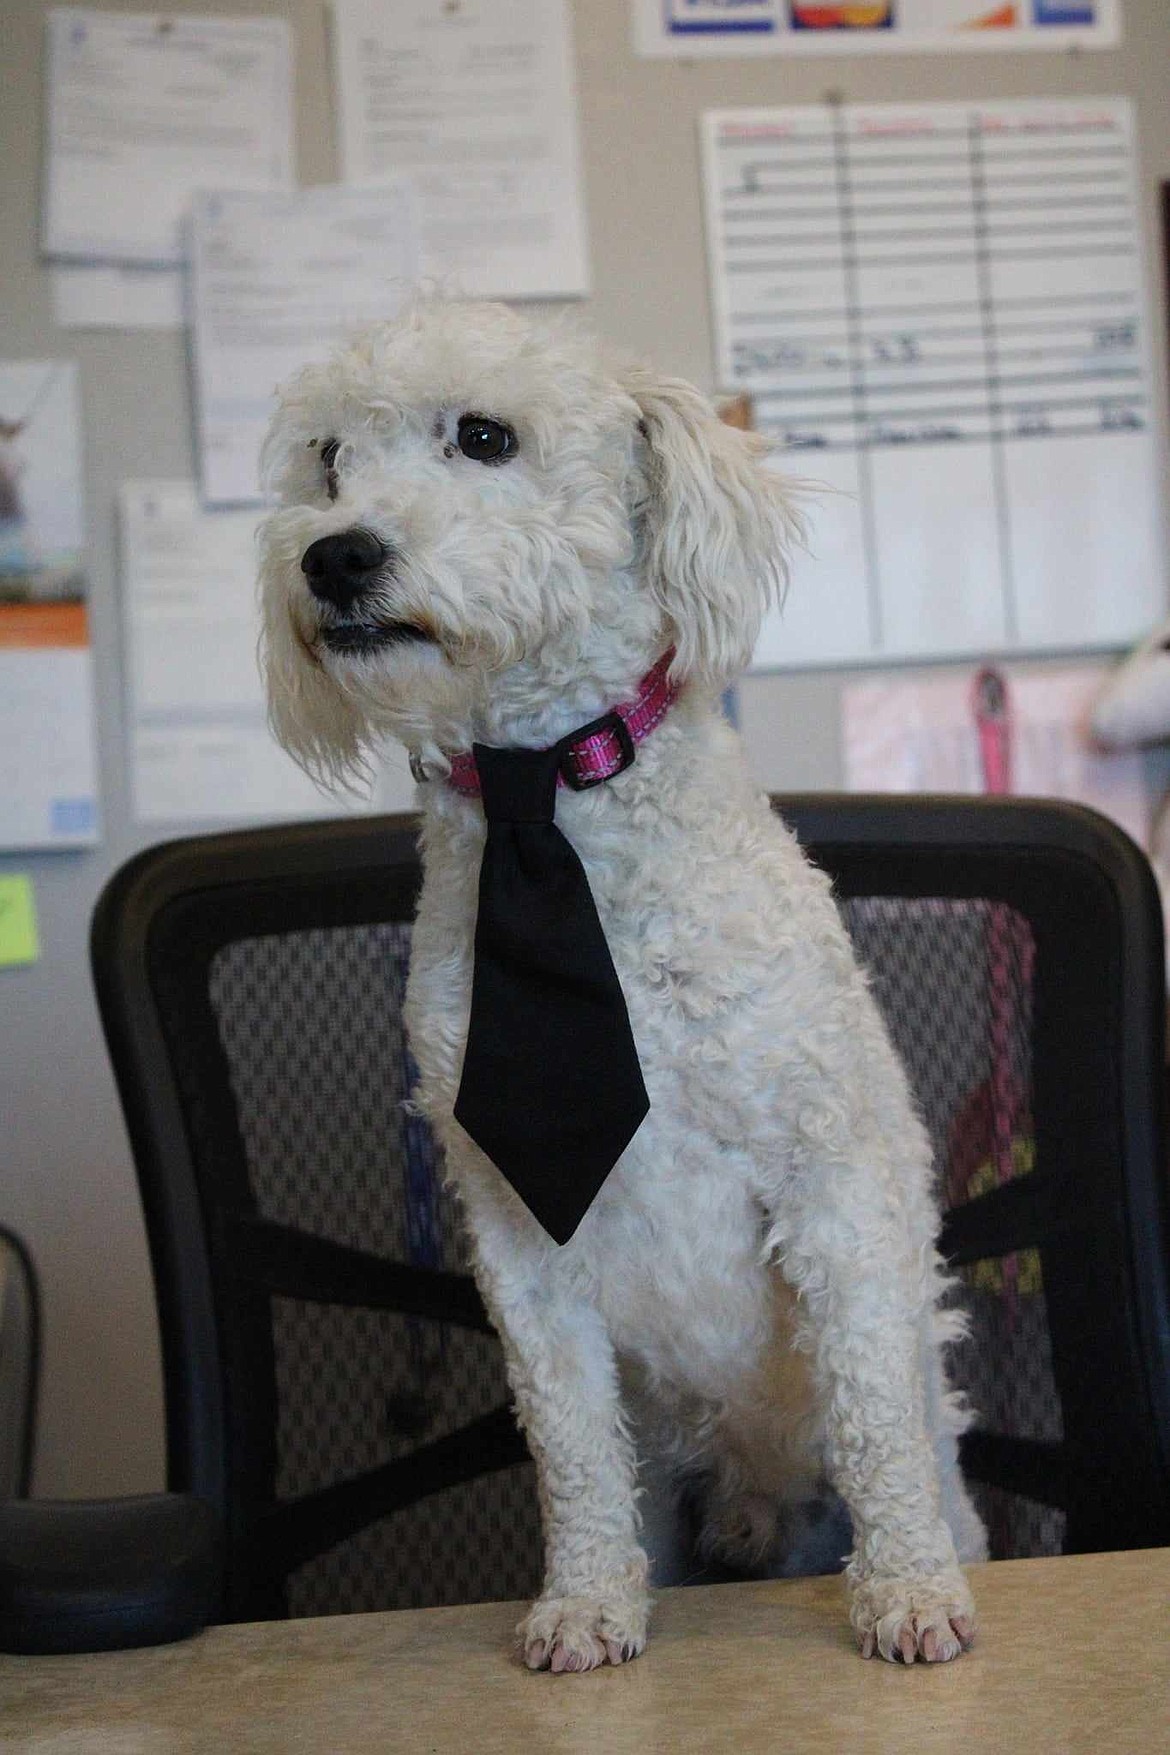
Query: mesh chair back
{"points": [[1015, 949], [311, 1028], [332, 1385], [954, 980]]}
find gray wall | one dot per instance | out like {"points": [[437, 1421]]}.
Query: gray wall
{"points": [[66, 1180]]}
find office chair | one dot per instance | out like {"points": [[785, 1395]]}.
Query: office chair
{"points": [[334, 1395]]}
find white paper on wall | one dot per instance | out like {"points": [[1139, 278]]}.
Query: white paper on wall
{"points": [[116, 295], [48, 763], [477, 104], [939, 311], [142, 109], [276, 281]]}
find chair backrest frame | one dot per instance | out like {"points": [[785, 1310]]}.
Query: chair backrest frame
{"points": [[20, 1302]]}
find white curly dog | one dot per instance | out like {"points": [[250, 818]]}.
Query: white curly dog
{"points": [[528, 527]]}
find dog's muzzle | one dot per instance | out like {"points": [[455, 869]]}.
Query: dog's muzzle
{"points": [[341, 569]]}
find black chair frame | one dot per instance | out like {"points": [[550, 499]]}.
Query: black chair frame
{"points": [[32, 1290]]}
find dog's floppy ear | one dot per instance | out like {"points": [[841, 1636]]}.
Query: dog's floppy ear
{"points": [[716, 527]]}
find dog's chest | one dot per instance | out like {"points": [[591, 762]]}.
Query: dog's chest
{"points": [[673, 1248]]}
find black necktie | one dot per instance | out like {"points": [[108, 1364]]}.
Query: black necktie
{"points": [[551, 1087]]}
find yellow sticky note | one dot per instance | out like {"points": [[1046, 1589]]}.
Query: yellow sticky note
{"points": [[18, 922]]}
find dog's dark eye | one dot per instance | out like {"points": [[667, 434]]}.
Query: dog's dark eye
{"points": [[329, 452], [484, 440]]}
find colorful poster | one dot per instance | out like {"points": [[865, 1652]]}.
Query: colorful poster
{"points": [[717, 18], [47, 767], [843, 15], [689, 28]]}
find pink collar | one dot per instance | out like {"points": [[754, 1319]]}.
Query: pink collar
{"points": [[601, 749]]}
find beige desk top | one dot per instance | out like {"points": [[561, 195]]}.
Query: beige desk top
{"points": [[1074, 1655]]}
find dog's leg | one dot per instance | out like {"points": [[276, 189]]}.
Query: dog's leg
{"points": [[855, 1243], [594, 1604]]}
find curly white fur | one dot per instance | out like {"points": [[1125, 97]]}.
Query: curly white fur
{"points": [[758, 1277]]}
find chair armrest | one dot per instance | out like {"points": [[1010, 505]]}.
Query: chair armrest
{"points": [[104, 1574]]}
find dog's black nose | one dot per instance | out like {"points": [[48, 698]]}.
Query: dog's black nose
{"points": [[339, 569]]}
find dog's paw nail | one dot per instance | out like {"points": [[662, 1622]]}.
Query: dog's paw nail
{"points": [[907, 1645], [569, 1635], [621, 1651], [930, 1645], [964, 1630], [869, 1644]]}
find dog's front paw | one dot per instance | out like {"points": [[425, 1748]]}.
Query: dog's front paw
{"points": [[579, 1633], [930, 1618]]}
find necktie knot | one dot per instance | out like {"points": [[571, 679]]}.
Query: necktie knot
{"points": [[518, 786]]}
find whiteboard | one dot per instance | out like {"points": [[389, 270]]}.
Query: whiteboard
{"points": [[939, 311]]}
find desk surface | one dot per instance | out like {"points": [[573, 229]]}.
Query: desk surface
{"points": [[1073, 1656]]}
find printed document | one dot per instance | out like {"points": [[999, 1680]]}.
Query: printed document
{"points": [[476, 103], [142, 110], [276, 281]]}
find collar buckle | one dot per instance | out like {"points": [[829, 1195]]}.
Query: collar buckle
{"points": [[584, 778]]}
